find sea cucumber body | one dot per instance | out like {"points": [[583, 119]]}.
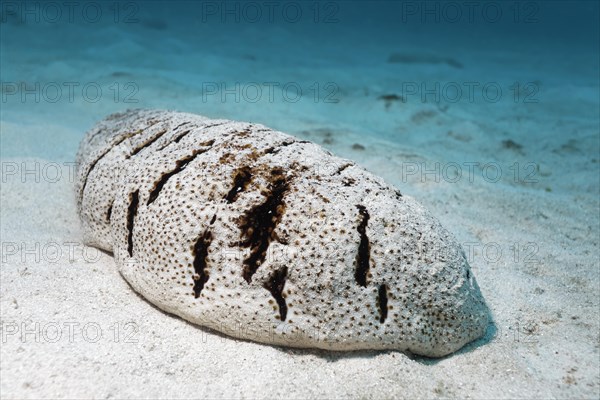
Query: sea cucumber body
{"points": [[265, 237]]}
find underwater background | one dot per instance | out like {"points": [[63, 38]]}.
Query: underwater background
{"points": [[488, 113]]}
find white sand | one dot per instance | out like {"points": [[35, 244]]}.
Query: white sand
{"points": [[543, 289]]}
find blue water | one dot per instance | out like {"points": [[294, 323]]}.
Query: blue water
{"points": [[496, 81]]}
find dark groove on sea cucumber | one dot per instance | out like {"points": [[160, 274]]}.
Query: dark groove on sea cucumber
{"points": [[93, 163], [109, 211], [277, 149], [176, 140], [131, 213], [147, 143], [213, 219], [382, 302], [213, 125], [259, 222], [180, 136], [207, 143], [287, 143], [185, 133], [275, 285], [364, 249], [179, 166], [241, 178], [343, 167], [105, 152], [200, 263], [180, 125]]}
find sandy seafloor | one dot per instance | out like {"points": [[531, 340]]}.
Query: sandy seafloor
{"points": [[534, 234]]}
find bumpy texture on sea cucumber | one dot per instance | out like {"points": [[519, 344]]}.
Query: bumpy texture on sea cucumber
{"points": [[265, 237]]}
